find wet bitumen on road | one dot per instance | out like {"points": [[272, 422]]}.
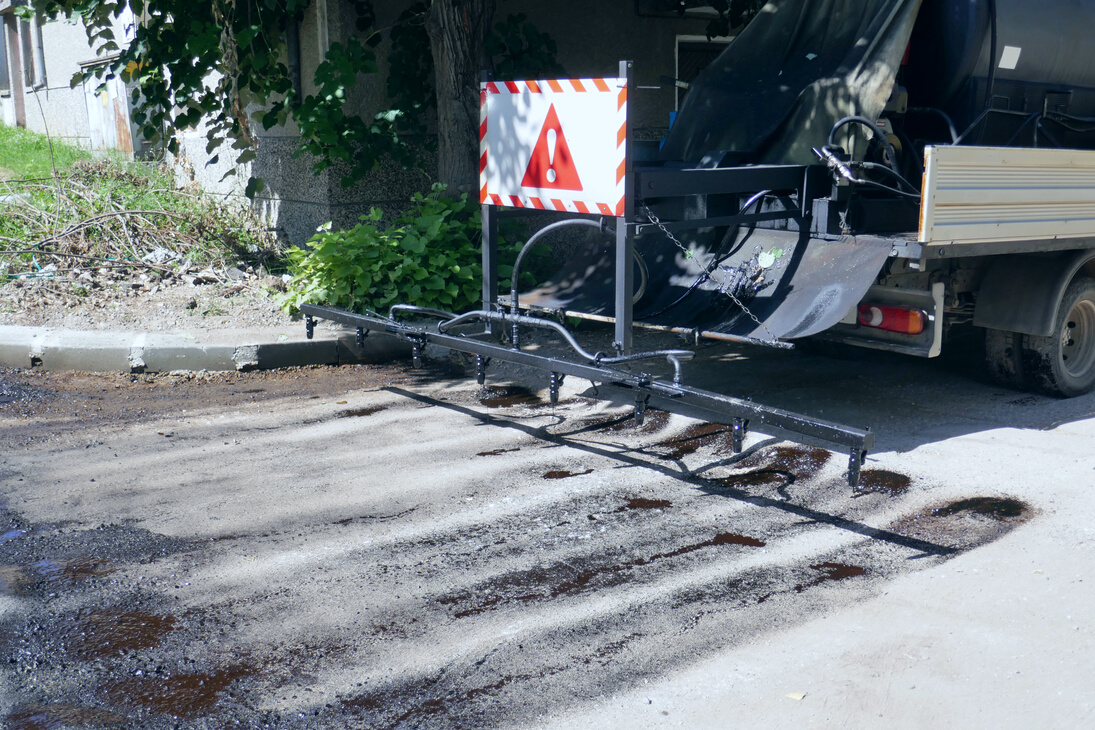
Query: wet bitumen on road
{"points": [[375, 546]]}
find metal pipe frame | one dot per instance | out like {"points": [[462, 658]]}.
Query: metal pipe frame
{"points": [[643, 389]]}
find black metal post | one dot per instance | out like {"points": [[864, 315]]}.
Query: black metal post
{"points": [[625, 244], [490, 258], [489, 222]]}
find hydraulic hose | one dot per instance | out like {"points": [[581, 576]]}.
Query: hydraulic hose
{"points": [[891, 153], [600, 225]]}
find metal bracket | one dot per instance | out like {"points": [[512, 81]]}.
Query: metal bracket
{"points": [[362, 333], [309, 326], [416, 352]]}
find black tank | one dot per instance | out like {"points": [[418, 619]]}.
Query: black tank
{"points": [[1045, 61]]}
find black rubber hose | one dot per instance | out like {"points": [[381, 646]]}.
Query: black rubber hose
{"points": [[536, 237]]}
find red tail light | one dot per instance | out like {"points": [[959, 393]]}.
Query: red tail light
{"points": [[892, 319]]}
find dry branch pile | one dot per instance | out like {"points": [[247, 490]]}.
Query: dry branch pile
{"points": [[115, 231]]}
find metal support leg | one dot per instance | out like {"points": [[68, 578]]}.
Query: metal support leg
{"points": [[309, 326], [555, 380], [640, 408], [625, 287], [416, 353], [855, 467], [362, 333], [481, 363], [490, 261], [737, 435]]}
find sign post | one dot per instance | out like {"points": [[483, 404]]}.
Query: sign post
{"points": [[625, 241], [558, 145], [489, 222]]}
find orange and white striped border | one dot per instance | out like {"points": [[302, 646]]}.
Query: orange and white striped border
{"points": [[557, 86]]}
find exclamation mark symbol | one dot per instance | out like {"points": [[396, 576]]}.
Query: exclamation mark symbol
{"points": [[552, 136]]}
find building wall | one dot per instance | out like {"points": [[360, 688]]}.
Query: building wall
{"points": [[592, 38], [56, 108]]}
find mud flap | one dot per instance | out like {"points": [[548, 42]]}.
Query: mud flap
{"points": [[794, 284]]}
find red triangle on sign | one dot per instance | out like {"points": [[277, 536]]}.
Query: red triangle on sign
{"points": [[552, 166]]}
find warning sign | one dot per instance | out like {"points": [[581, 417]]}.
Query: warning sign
{"points": [[552, 165], [558, 144]]}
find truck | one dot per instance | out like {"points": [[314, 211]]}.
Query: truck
{"points": [[875, 173]]}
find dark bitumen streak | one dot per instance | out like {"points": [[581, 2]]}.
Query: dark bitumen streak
{"points": [[725, 488], [57, 716], [181, 695], [994, 507], [412, 695], [966, 523], [496, 396], [102, 634], [359, 412], [880, 481], [560, 474], [644, 503], [702, 434], [781, 467], [570, 578], [831, 572], [654, 420], [497, 452]]}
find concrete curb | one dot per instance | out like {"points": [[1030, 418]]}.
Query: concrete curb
{"points": [[146, 352]]}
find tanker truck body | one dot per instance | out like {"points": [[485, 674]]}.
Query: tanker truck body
{"points": [[1007, 210], [941, 174]]}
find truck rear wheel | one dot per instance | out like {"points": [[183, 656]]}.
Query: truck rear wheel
{"points": [[1063, 363]]}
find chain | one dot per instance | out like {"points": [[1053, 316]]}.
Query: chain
{"points": [[688, 254]]}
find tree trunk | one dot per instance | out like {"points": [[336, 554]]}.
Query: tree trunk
{"points": [[457, 31]]}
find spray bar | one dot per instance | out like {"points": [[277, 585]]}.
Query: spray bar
{"points": [[645, 390]]}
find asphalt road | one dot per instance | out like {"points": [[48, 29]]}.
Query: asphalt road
{"points": [[374, 547]]}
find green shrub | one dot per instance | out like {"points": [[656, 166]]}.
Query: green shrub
{"points": [[430, 257]]}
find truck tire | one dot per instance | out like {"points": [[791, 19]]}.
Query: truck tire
{"points": [[1063, 363], [1004, 358]]}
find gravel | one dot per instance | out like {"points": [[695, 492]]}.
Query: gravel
{"points": [[105, 299]]}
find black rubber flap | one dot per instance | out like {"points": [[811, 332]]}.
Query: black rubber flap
{"points": [[793, 284]]}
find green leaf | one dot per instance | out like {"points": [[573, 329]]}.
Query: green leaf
{"points": [[414, 244]]}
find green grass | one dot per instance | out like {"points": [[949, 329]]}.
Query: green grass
{"points": [[113, 211], [25, 154]]}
